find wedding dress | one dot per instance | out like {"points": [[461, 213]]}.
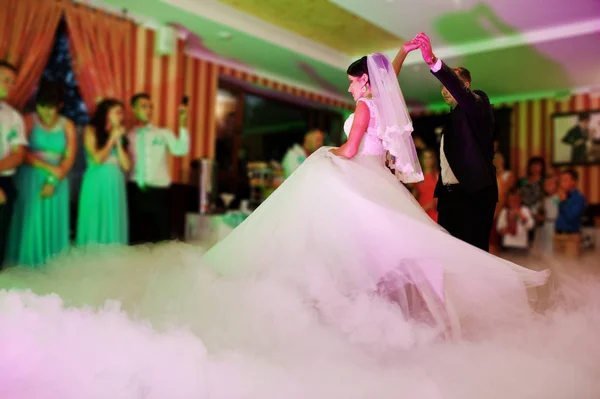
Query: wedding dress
{"points": [[339, 229]]}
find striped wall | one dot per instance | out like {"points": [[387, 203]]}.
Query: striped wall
{"points": [[200, 85], [531, 135]]}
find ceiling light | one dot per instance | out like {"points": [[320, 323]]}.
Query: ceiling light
{"points": [[224, 35]]}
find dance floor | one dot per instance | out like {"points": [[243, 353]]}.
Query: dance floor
{"points": [[568, 275], [179, 333]]}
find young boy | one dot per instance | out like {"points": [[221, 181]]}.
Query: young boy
{"points": [[514, 222], [571, 205]]}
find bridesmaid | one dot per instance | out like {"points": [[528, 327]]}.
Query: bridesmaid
{"points": [[40, 224], [103, 202]]}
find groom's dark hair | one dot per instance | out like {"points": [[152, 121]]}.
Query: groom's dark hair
{"points": [[463, 73]]}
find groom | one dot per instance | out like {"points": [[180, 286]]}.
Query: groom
{"points": [[466, 190]]}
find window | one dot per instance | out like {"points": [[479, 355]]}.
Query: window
{"points": [[270, 127]]}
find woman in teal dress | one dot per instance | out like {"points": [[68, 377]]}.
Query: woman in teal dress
{"points": [[40, 224], [103, 202]]}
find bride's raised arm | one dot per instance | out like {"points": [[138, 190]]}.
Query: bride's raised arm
{"points": [[362, 115], [401, 56]]}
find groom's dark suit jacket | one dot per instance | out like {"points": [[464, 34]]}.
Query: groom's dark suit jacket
{"points": [[468, 136]]}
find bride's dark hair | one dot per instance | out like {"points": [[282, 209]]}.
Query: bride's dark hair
{"points": [[358, 68]]}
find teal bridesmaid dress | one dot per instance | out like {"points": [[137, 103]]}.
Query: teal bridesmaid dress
{"points": [[102, 215], [40, 226]]}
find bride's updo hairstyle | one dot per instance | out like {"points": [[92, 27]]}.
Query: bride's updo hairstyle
{"points": [[358, 68]]}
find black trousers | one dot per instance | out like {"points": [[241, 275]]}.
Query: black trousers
{"points": [[149, 214], [6, 211], [468, 216]]}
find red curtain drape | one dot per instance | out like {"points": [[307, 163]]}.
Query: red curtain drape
{"points": [[103, 54], [27, 32]]}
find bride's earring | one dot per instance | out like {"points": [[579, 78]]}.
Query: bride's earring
{"points": [[366, 90]]}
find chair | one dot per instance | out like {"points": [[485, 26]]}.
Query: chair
{"points": [[567, 244]]}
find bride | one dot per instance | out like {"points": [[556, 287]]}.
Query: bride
{"points": [[343, 226]]}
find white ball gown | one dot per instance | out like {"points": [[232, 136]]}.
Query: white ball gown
{"points": [[338, 228], [338, 286]]}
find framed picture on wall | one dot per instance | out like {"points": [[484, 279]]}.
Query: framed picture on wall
{"points": [[576, 138]]}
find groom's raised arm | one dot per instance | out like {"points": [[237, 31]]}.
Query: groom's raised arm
{"points": [[459, 89]]}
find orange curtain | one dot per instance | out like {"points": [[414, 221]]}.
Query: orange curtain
{"points": [[103, 53], [201, 86], [27, 31]]}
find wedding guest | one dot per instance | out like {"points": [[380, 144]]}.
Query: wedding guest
{"points": [[149, 191], [550, 204], [424, 189], [40, 226], [532, 189], [514, 222], [504, 176], [505, 180], [12, 152], [297, 154], [103, 200], [571, 205]]}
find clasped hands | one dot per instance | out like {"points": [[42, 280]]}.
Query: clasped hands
{"points": [[421, 41]]}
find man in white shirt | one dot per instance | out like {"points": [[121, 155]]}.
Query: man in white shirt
{"points": [[12, 151], [150, 178], [297, 154]]}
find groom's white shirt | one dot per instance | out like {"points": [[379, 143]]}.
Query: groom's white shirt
{"points": [[448, 176]]}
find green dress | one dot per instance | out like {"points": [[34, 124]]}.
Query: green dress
{"points": [[40, 226], [103, 215]]}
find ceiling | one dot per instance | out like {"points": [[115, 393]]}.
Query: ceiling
{"points": [[321, 21], [514, 48]]}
